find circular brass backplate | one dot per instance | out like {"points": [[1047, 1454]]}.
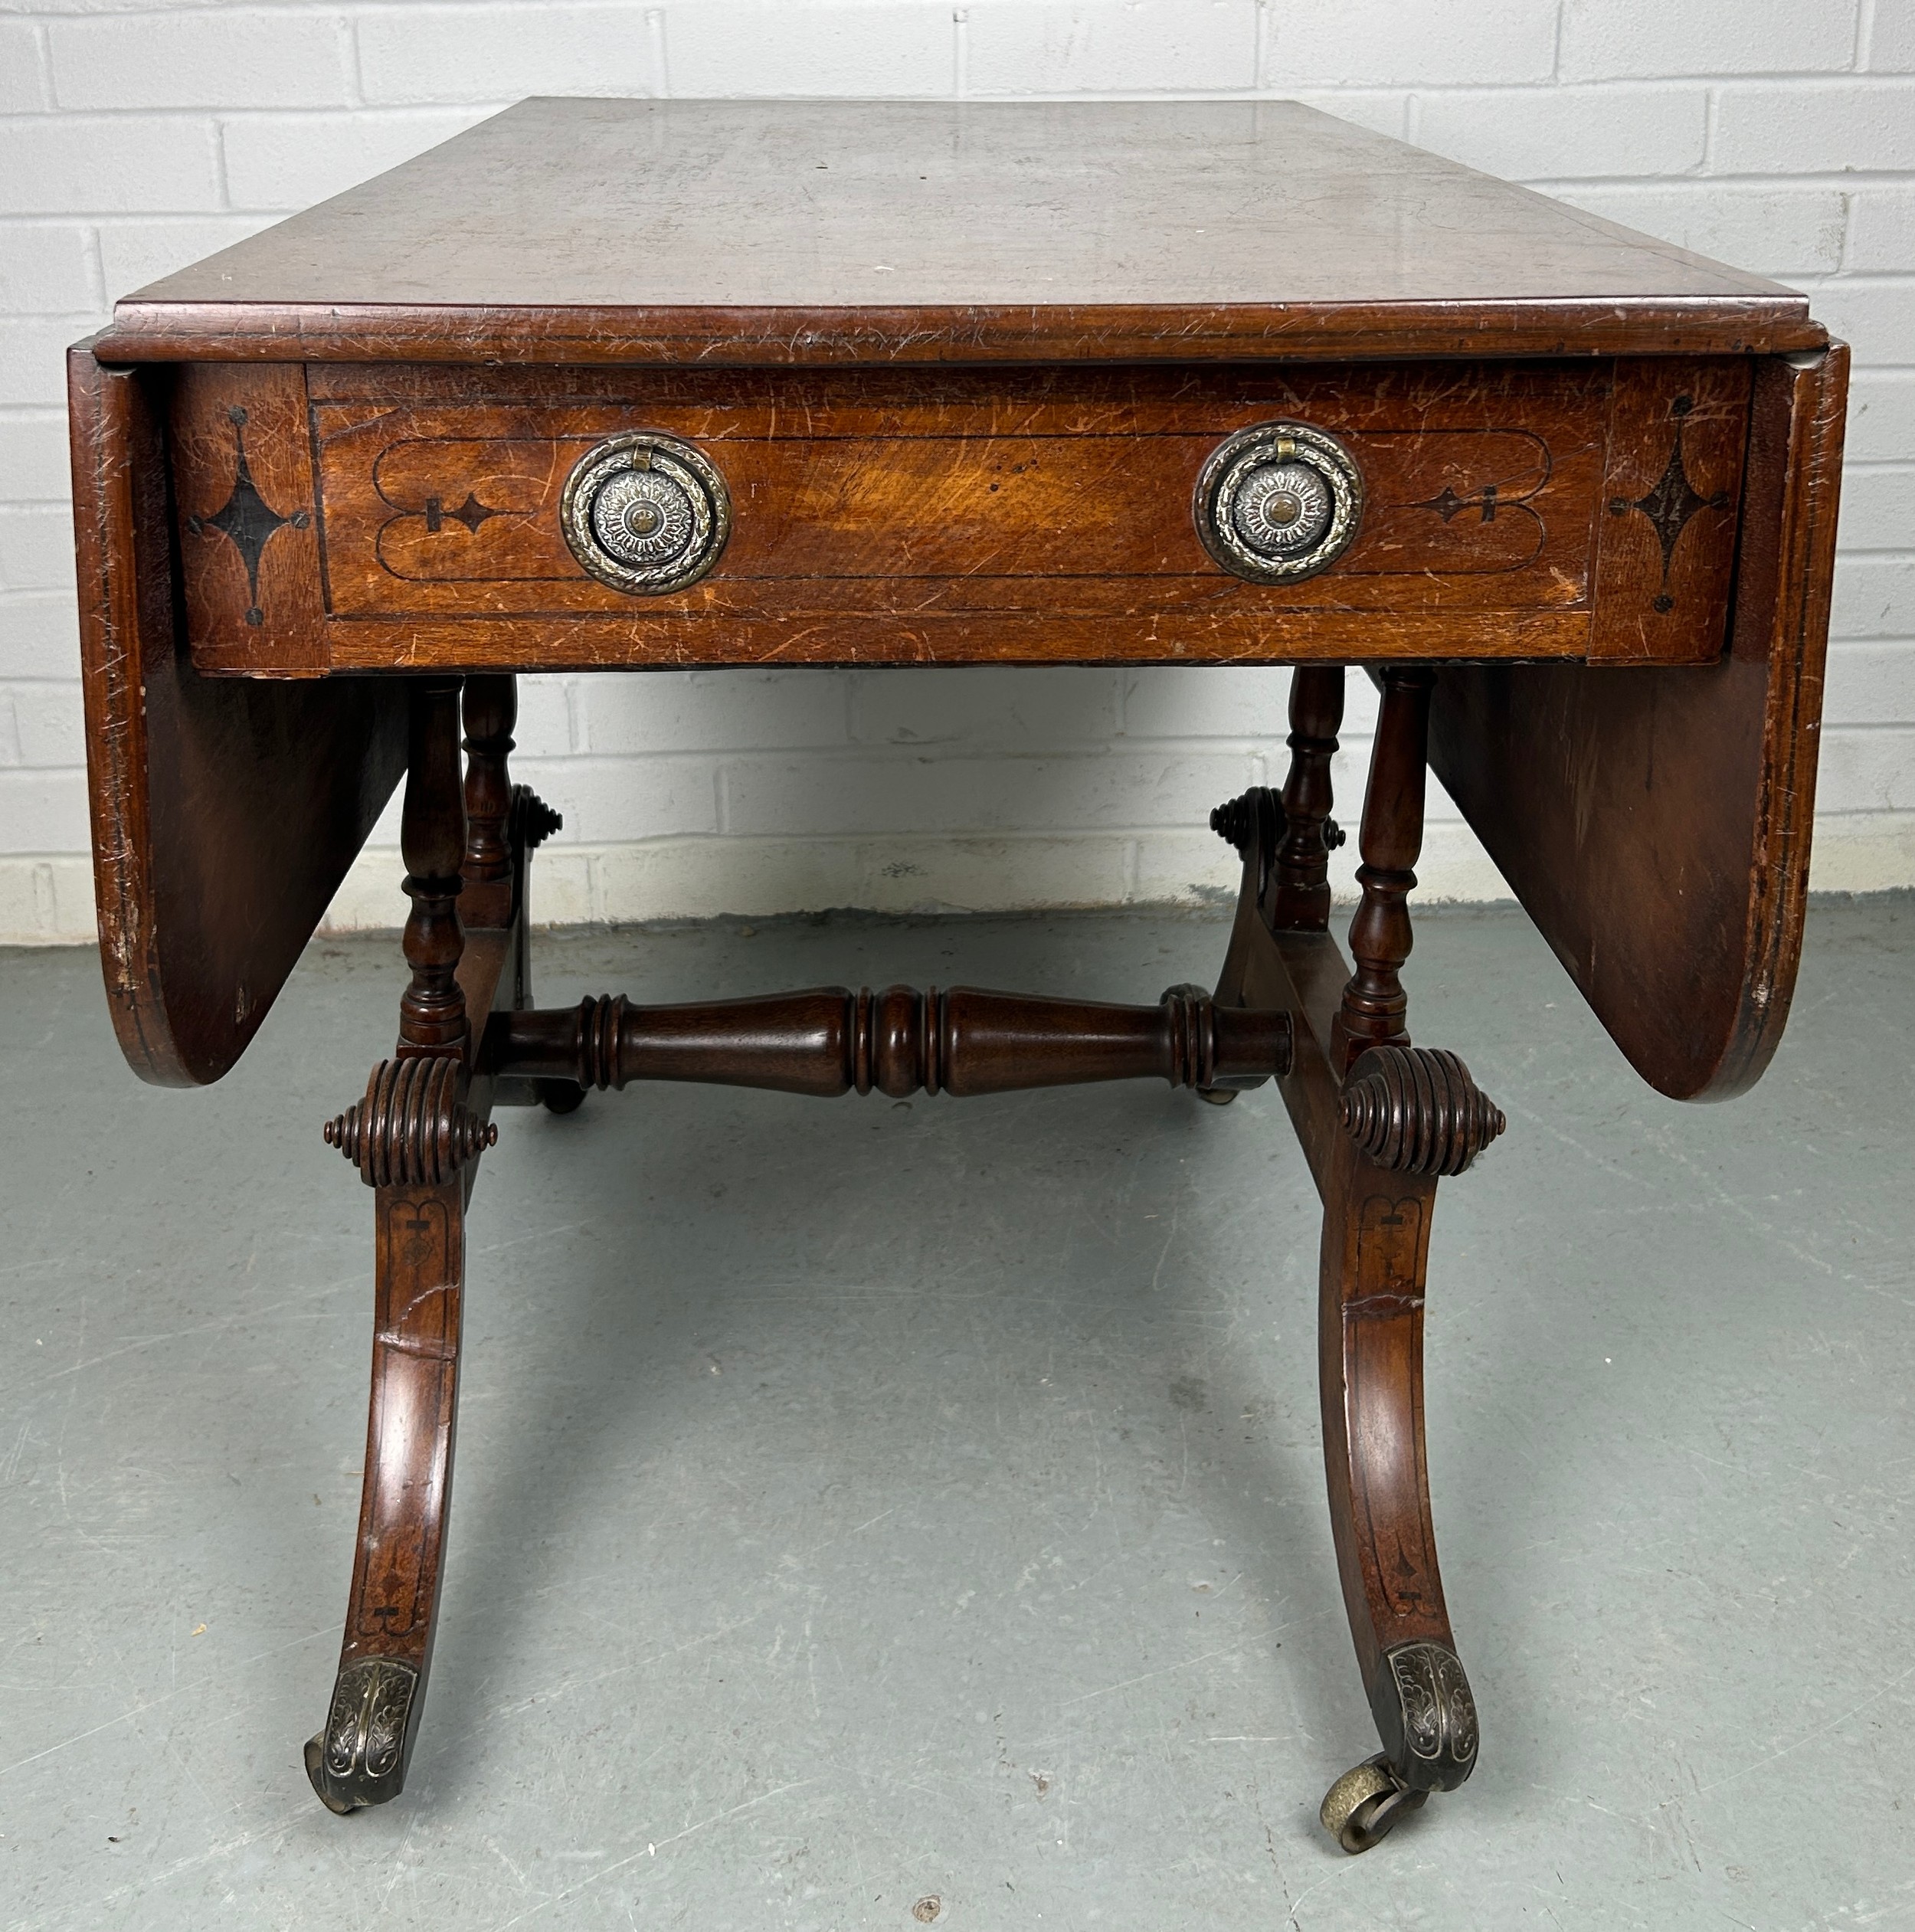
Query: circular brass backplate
{"points": [[1278, 502], [646, 513]]}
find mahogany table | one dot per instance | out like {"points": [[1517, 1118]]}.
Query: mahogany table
{"points": [[610, 385]]}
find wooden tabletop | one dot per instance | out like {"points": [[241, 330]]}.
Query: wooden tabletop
{"points": [[882, 231]]}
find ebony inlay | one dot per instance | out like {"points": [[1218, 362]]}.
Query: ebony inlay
{"points": [[1671, 501], [247, 518]]}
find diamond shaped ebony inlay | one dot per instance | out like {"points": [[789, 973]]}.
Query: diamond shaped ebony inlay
{"points": [[246, 519], [1670, 501], [471, 513]]}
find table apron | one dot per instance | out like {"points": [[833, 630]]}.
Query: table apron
{"points": [[403, 517]]}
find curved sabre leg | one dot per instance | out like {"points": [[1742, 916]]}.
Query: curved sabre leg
{"points": [[1409, 1115], [410, 1137], [1376, 1246], [1379, 1121], [359, 1757]]}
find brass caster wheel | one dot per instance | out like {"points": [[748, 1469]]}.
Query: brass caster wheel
{"points": [[1366, 1804], [1217, 1096], [560, 1096]]}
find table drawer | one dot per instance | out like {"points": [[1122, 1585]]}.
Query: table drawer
{"points": [[403, 515]]}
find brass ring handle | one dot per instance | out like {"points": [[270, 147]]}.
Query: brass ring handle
{"points": [[1278, 502], [646, 513]]}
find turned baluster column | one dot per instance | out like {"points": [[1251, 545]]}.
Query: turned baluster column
{"points": [[491, 709], [432, 1010], [1374, 1003], [1300, 875]]}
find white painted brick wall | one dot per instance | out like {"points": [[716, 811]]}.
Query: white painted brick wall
{"points": [[231, 57], [1184, 46], [1410, 44], [138, 135], [1645, 39]]}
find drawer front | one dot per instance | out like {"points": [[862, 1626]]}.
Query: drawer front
{"points": [[1570, 509]]}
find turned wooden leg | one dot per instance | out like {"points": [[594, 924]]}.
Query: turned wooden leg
{"points": [[505, 824], [1374, 1003], [432, 838], [1299, 887], [1285, 839], [490, 709]]}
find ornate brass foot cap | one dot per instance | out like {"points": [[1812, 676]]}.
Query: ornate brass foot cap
{"points": [[1367, 1803], [1425, 1716], [359, 1758], [412, 1129], [1416, 1109]]}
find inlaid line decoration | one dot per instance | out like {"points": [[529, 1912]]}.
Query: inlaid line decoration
{"points": [[439, 515], [1491, 497], [1512, 495], [1671, 501], [246, 518]]}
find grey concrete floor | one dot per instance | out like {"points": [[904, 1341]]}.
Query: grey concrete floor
{"points": [[861, 1503]]}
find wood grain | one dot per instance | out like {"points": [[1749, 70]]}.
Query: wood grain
{"points": [[962, 1040], [845, 502], [1374, 1008], [1373, 1270], [840, 640], [419, 1295], [1678, 434], [901, 517], [244, 502], [709, 232], [1373, 1265], [1656, 823], [960, 366], [225, 814]]}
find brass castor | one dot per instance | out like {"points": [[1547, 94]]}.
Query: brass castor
{"points": [[560, 1096], [1217, 1096], [1365, 1804]]}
